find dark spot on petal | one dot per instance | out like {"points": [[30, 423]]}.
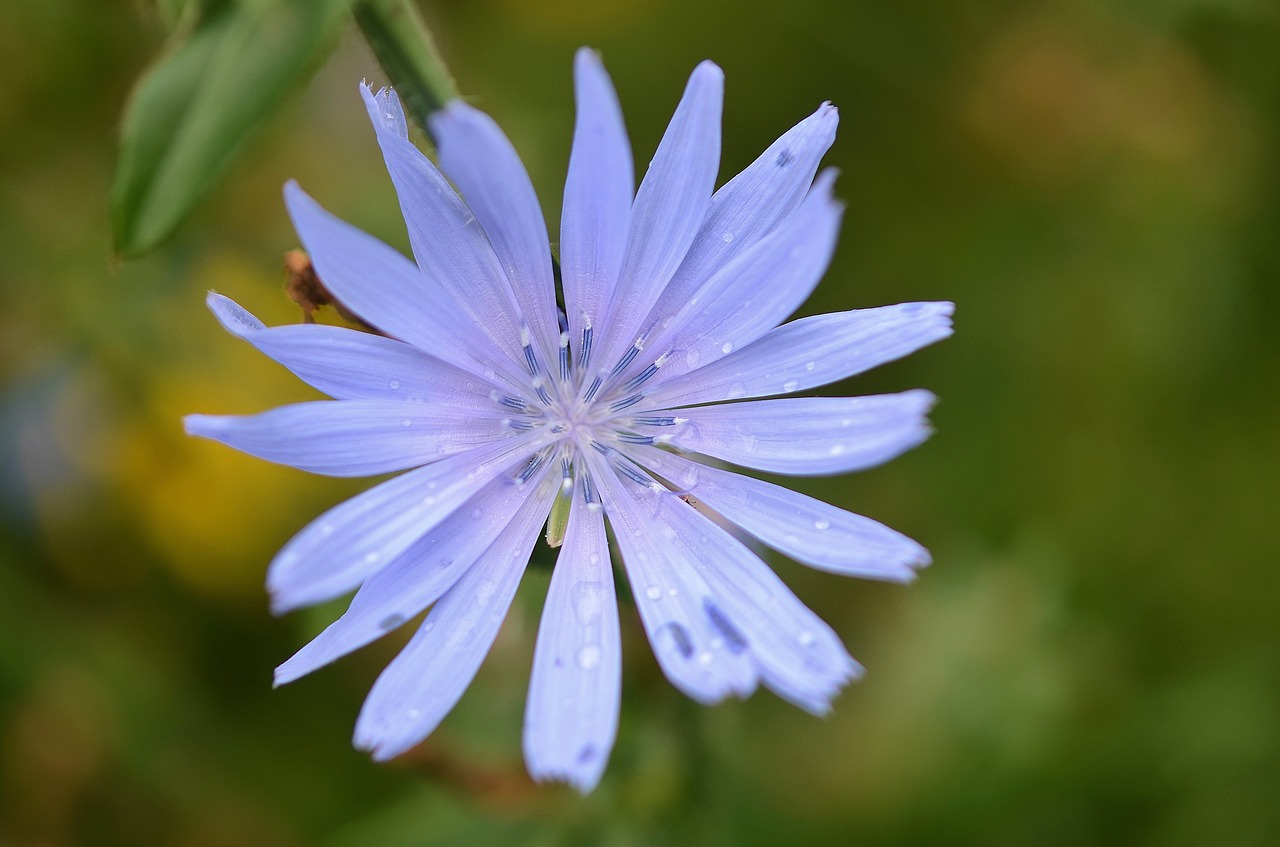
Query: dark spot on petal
{"points": [[680, 636], [736, 640], [784, 158], [392, 621], [586, 754]]}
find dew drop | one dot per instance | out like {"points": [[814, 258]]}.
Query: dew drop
{"points": [[653, 592], [836, 450], [588, 601], [691, 358], [808, 366], [791, 385], [705, 657], [728, 236], [736, 390], [673, 592], [726, 348], [371, 557], [406, 422], [476, 514], [806, 638], [594, 558], [822, 523], [589, 656], [394, 385]]}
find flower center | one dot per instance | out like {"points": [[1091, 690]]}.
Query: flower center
{"points": [[579, 405]]}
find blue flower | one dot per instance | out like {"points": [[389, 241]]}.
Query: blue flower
{"points": [[502, 405]]}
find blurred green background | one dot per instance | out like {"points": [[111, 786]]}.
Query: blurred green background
{"points": [[1093, 657]]}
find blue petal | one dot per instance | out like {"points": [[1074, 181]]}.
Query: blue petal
{"points": [[350, 542], [385, 289], [449, 244], [750, 205], [354, 437], [420, 575], [350, 365], [670, 591], [571, 717], [482, 163], [807, 353], [798, 656], [808, 435], [422, 684], [758, 289], [807, 530], [670, 205], [598, 192]]}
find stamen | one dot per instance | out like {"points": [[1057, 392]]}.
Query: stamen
{"points": [[632, 474], [626, 402], [530, 357], [602, 449], [632, 438], [591, 392], [564, 357], [519, 425], [640, 378], [540, 386], [584, 355], [511, 402], [588, 493], [667, 420], [628, 357], [532, 467]]}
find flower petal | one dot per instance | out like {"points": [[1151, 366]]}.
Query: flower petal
{"points": [[757, 290], [808, 530], [449, 246], [807, 435], [670, 204], [351, 365], [571, 717], [807, 353], [386, 290], [344, 546], [799, 657], [422, 684], [670, 594], [481, 161], [354, 437], [420, 575], [750, 205], [598, 192]]}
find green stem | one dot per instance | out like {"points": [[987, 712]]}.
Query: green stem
{"points": [[406, 51]]}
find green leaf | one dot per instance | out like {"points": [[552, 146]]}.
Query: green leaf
{"points": [[192, 112], [408, 54]]}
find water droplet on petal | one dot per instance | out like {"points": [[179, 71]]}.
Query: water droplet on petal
{"points": [[588, 601], [705, 657], [726, 348], [728, 236], [791, 385], [406, 422], [477, 513], [673, 592], [806, 638], [594, 558], [653, 592], [822, 523], [808, 366], [394, 385], [836, 449], [589, 656]]}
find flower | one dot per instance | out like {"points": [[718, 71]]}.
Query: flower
{"points": [[615, 408]]}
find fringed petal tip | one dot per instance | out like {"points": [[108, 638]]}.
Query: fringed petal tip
{"points": [[236, 319]]}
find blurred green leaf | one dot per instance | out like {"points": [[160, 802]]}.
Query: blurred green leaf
{"points": [[190, 114], [408, 54]]}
